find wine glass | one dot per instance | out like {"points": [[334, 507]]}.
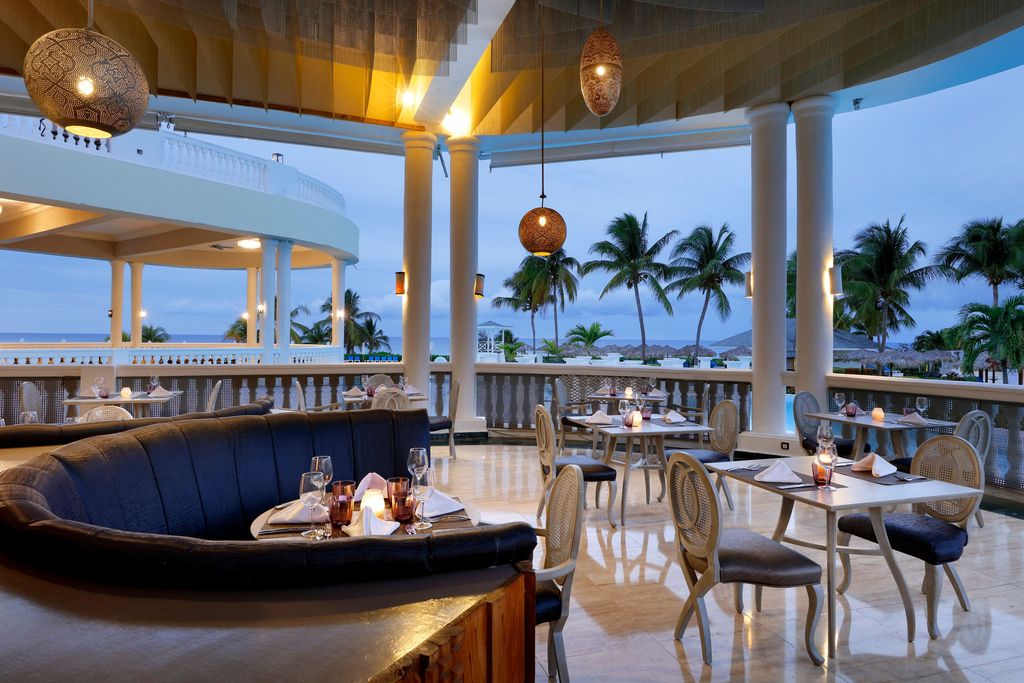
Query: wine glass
{"points": [[154, 382], [401, 382], [840, 398], [921, 404], [418, 462], [623, 409], [3, 423], [322, 463], [311, 492], [825, 436], [29, 417], [423, 490]]}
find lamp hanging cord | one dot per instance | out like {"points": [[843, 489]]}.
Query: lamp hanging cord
{"points": [[92, 9], [540, 22]]}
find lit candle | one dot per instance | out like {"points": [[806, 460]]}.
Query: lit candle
{"points": [[373, 501], [638, 419], [629, 393], [878, 415], [126, 393]]}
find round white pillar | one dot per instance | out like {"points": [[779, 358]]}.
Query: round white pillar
{"points": [[813, 117], [116, 302], [251, 300], [338, 303], [267, 297], [768, 264], [137, 307], [465, 189], [416, 251], [284, 299]]}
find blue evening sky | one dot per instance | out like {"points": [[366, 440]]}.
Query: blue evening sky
{"points": [[941, 160]]}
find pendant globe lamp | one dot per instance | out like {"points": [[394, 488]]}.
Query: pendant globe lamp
{"points": [[601, 72], [542, 229], [86, 83]]}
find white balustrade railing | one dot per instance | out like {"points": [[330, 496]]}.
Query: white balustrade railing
{"points": [[172, 151], [221, 354]]}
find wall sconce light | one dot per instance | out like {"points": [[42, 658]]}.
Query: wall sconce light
{"points": [[341, 314], [478, 286], [143, 314], [399, 283], [835, 282], [245, 315], [748, 284]]}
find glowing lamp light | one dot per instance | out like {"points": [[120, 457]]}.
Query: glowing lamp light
{"points": [[878, 415], [143, 314], [478, 286], [245, 315], [601, 72], [249, 243], [456, 122], [408, 98], [629, 393], [126, 393], [835, 282], [400, 283], [542, 231], [261, 307], [373, 502], [748, 284], [637, 420], [85, 87]]}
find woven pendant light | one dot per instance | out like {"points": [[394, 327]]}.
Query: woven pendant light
{"points": [[86, 83], [542, 229], [601, 72]]}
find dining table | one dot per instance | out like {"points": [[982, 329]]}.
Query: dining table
{"points": [[467, 518], [362, 400], [650, 437], [854, 491], [895, 429], [139, 401]]}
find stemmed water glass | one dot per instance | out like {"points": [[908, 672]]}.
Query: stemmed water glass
{"points": [[154, 382], [423, 489], [623, 409], [322, 463], [418, 462], [840, 398], [921, 404], [825, 436], [29, 417], [311, 492]]}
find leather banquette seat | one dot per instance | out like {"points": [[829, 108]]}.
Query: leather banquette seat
{"points": [[170, 504]]}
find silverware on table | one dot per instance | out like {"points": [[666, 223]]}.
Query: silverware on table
{"points": [[786, 487], [908, 477], [282, 506], [282, 530], [449, 518]]}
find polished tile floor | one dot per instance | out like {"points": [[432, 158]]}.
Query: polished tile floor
{"points": [[628, 592]]}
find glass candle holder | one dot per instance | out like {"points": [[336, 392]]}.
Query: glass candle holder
{"points": [[645, 412], [878, 415], [628, 393], [637, 419], [822, 467], [403, 506], [341, 503], [373, 501]]}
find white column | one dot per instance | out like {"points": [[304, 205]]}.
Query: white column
{"points": [[338, 303], [465, 188], [419, 156], [267, 296], [137, 308], [116, 302], [768, 250], [813, 117], [284, 298], [251, 299]]}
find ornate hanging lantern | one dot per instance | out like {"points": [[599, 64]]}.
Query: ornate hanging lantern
{"points": [[601, 72], [542, 229], [85, 82]]}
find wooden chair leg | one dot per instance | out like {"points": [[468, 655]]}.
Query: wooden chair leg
{"points": [[561, 666], [647, 484], [933, 591], [737, 597], [958, 587], [723, 485], [843, 539], [814, 596], [758, 590], [695, 604], [552, 656], [612, 486], [451, 442], [979, 519]]}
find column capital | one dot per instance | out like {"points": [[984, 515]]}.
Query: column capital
{"points": [[767, 113], [419, 139], [815, 105], [469, 143]]}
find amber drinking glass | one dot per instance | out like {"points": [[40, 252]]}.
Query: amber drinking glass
{"points": [[403, 506], [342, 493], [396, 485]]}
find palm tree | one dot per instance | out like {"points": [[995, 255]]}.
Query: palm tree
{"points": [[879, 275], [987, 249], [155, 335], [587, 336], [558, 281], [632, 261], [355, 317], [509, 344], [704, 262], [238, 332], [296, 328], [373, 337], [996, 330], [527, 291], [317, 333], [930, 340]]}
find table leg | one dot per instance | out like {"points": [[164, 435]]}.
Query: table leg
{"points": [[830, 577], [785, 513], [145, 409], [859, 439], [625, 480], [878, 525], [659, 444]]}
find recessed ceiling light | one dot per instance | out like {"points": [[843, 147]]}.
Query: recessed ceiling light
{"points": [[249, 243]]}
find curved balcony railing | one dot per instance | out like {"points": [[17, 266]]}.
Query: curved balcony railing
{"points": [[161, 354], [171, 151]]}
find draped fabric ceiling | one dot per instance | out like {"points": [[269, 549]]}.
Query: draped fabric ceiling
{"points": [[356, 59]]}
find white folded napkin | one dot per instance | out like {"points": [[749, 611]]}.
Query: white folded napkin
{"points": [[297, 513], [778, 473], [442, 504], [657, 393], [159, 392], [603, 391], [599, 418], [411, 390], [672, 417], [874, 463], [87, 392], [369, 524], [912, 419], [370, 481], [354, 392]]}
